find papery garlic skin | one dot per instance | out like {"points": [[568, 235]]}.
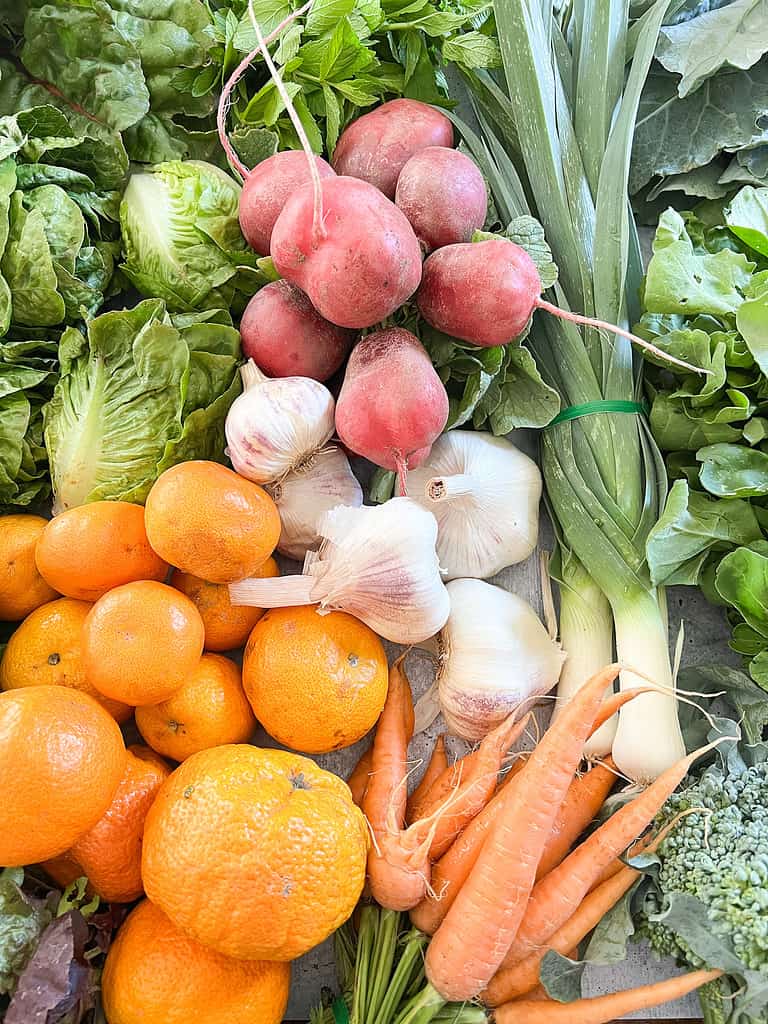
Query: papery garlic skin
{"points": [[277, 424], [305, 494], [494, 654], [377, 563], [485, 494]]}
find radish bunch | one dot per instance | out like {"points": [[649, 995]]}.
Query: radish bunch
{"points": [[348, 239]]}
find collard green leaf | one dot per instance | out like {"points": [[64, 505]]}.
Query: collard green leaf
{"points": [[561, 977], [681, 280], [725, 110], [735, 35], [691, 526]]}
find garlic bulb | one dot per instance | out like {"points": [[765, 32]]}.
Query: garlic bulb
{"points": [[305, 494], [377, 563], [493, 654], [277, 424], [485, 495]]}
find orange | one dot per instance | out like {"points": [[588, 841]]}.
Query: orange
{"points": [[141, 641], [86, 551], [227, 625], [154, 974], [22, 588], [208, 710], [46, 650], [208, 521], [315, 682], [61, 761], [258, 854], [109, 854]]}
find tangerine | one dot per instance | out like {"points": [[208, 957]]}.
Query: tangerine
{"points": [[61, 760], [258, 854], [208, 710], [22, 588], [46, 650], [141, 641], [315, 682], [88, 550], [155, 974], [227, 625], [210, 522]]}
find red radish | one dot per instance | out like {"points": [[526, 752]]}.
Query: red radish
{"points": [[266, 189], [486, 293], [377, 145], [443, 194], [285, 336], [357, 264], [392, 404]]}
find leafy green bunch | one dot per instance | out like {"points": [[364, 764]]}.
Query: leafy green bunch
{"points": [[706, 301], [341, 58]]}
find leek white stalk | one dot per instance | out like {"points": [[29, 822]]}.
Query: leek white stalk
{"points": [[304, 495], [376, 562], [493, 655], [586, 636], [485, 495]]}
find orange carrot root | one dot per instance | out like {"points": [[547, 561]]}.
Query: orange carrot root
{"points": [[361, 773], [603, 1009], [438, 763]]}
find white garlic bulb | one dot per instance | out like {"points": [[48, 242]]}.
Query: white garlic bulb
{"points": [[493, 655], [484, 493], [305, 494], [277, 424], [377, 563]]}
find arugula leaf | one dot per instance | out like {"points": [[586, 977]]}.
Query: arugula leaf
{"points": [[735, 35]]}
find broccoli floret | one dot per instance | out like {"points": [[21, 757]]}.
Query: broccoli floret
{"points": [[719, 853]]}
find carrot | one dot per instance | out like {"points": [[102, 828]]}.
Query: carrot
{"points": [[396, 874], [445, 784], [476, 789], [452, 870], [437, 765], [603, 1009], [557, 896], [358, 780], [521, 978], [469, 945]]}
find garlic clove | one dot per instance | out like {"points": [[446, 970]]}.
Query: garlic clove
{"points": [[484, 494], [305, 494], [277, 424]]}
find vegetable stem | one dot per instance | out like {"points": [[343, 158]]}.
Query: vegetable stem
{"points": [[444, 488], [422, 1008]]}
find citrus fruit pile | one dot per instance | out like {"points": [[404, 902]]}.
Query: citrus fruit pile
{"points": [[244, 857]]}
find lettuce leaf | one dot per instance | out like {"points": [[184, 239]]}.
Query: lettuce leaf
{"points": [[138, 392]]}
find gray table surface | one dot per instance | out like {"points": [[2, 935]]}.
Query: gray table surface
{"points": [[705, 641]]}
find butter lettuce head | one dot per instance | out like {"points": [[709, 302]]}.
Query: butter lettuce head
{"points": [[181, 234], [139, 391]]}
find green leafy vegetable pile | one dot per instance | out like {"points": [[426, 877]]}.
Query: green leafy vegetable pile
{"points": [[139, 391], [52, 949], [702, 127], [706, 300]]}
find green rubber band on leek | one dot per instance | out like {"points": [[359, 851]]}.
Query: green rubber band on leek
{"points": [[575, 412], [340, 1012]]}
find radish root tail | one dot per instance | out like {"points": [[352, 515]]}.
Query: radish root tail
{"points": [[225, 101], [603, 325], [402, 474], [318, 227]]}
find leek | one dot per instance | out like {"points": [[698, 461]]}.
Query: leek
{"points": [[562, 129]]}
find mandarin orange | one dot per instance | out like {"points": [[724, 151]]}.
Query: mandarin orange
{"points": [[46, 650], [61, 760], [315, 682], [155, 974], [141, 641], [22, 588], [210, 522], [208, 710], [88, 550], [227, 625], [256, 853], [109, 854]]}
